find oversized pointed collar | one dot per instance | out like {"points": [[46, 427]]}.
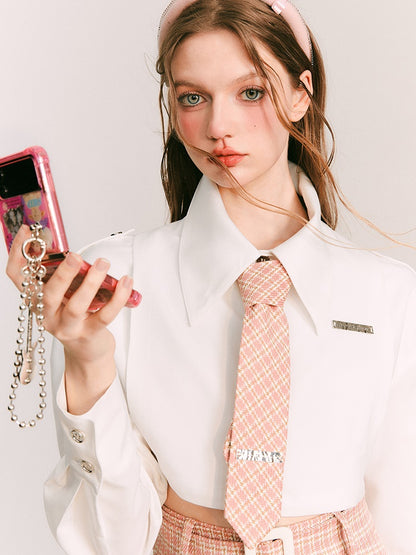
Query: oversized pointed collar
{"points": [[213, 253]]}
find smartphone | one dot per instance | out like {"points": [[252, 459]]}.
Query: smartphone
{"points": [[27, 195]]}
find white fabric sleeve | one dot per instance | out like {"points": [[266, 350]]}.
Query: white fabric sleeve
{"points": [[104, 497], [391, 474]]}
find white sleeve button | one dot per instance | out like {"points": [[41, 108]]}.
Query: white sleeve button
{"points": [[77, 436], [87, 467]]}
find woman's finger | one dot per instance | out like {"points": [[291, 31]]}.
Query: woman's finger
{"points": [[16, 260], [80, 301], [59, 282], [110, 310]]}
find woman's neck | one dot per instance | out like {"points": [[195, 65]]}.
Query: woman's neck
{"points": [[263, 228]]}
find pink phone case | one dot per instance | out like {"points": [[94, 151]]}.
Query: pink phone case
{"points": [[42, 206], [34, 206], [103, 295]]}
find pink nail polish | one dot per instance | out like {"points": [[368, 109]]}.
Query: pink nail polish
{"points": [[101, 264], [72, 260], [127, 282]]}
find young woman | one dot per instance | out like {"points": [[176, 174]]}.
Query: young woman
{"points": [[149, 401]]}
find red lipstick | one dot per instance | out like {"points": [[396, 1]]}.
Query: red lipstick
{"points": [[228, 156]]}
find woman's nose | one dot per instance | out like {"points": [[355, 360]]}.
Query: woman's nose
{"points": [[220, 120]]}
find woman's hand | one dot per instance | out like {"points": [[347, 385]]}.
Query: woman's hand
{"points": [[88, 344]]}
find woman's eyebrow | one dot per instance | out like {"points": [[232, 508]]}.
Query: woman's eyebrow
{"points": [[184, 83]]}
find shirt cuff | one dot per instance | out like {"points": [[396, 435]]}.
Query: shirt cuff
{"points": [[101, 443]]}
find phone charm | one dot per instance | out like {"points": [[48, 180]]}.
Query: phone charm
{"points": [[31, 308]]}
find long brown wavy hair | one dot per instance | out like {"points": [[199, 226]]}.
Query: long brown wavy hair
{"points": [[251, 21]]}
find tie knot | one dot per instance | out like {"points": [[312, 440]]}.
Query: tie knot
{"points": [[264, 283]]}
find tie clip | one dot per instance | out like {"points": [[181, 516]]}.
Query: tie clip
{"points": [[349, 326], [258, 455]]}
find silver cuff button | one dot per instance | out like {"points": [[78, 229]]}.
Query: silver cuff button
{"points": [[77, 436], [87, 467]]}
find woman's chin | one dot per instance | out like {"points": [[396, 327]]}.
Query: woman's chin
{"points": [[228, 179]]}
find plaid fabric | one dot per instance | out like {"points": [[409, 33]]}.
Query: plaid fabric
{"points": [[349, 532], [258, 436]]}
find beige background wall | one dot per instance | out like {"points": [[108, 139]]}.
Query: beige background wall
{"points": [[77, 78]]}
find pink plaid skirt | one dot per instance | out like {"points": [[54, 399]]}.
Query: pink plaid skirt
{"points": [[348, 532]]}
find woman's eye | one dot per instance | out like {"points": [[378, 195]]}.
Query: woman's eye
{"points": [[191, 99], [253, 94]]}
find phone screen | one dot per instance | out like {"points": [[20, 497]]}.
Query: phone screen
{"points": [[22, 200]]}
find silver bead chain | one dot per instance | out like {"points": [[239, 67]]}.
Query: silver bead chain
{"points": [[31, 298]]}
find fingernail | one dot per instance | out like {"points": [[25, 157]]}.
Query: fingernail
{"points": [[101, 264], [127, 282], [24, 228], [72, 260]]}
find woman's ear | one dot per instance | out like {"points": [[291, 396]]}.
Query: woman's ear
{"points": [[301, 100]]}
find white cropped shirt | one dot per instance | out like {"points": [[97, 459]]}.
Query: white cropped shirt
{"points": [[352, 425]]}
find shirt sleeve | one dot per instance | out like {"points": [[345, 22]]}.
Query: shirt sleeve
{"points": [[104, 496], [391, 473]]}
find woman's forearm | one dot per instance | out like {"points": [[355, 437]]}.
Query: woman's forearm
{"points": [[86, 382]]}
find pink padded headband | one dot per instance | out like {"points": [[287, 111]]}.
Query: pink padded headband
{"points": [[283, 7]]}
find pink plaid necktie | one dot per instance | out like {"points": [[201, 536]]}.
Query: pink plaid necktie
{"points": [[256, 444]]}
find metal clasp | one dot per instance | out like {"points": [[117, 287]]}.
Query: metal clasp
{"points": [[35, 228], [283, 533]]}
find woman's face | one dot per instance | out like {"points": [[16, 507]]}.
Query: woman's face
{"points": [[224, 109]]}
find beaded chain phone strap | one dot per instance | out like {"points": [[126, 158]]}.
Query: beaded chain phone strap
{"points": [[31, 306]]}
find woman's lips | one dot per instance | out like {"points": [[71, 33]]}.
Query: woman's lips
{"points": [[228, 157], [231, 160]]}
